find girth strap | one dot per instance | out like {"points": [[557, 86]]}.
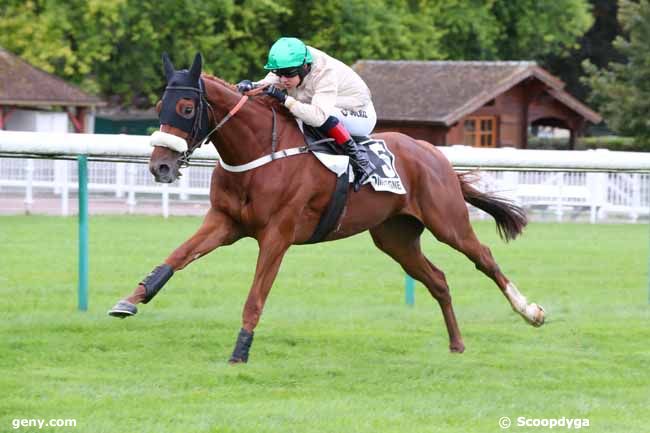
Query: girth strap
{"points": [[264, 159], [332, 214]]}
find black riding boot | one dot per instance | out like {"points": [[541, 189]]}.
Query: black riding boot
{"points": [[360, 163]]}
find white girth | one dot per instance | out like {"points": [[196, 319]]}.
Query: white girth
{"points": [[263, 160]]}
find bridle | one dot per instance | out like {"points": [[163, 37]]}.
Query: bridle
{"points": [[197, 129], [173, 142]]}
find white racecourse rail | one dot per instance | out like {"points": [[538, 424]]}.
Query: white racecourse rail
{"points": [[599, 180]]}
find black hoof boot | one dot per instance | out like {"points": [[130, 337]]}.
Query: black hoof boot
{"points": [[243, 345], [123, 309]]}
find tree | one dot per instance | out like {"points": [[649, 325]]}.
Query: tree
{"points": [[504, 29], [622, 89], [595, 46], [351, 30], [114, 47], [532, 29]]}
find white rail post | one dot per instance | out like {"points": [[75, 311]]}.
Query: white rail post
{"points": [[131, 175], [559, 210], [184, 184], [120, 169], [65, 189], [603, 190], [29, 186], [636, 196], [58, 177], [510, 184], [594, 195]]}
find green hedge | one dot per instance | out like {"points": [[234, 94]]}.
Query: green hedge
{"points": [[548, 143], [612, 142], [603, 142]]}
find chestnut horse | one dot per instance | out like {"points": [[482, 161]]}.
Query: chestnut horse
{"points": [[280, 203]]}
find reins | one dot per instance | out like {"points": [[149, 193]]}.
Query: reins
{"points": [[185, 157], [204, 106], [266, 158]]}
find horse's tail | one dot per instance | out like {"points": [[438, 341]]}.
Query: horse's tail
{"points": [[510, 218]]}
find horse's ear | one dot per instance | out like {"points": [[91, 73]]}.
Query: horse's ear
{"points": [[167, 64], [195, 70]]}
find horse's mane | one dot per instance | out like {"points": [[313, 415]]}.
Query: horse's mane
{"points": [[219, 80], [268, 102], [265, 101]]}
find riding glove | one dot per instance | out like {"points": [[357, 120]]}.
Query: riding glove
{"points": [[276, 93], [245, 86]]}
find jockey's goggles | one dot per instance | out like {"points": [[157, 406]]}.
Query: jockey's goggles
{"points": [[287, 72]]}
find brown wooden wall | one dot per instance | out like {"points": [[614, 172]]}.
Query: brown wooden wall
{"points": [[431, 133], [514, 110], [547, 107], [513, 120], [507, 107]]}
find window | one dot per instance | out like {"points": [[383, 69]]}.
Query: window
{"points": [[480, 131]]}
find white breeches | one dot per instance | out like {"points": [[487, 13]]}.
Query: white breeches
{"points": [[358, 122]]}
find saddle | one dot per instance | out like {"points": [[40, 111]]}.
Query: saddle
{"points": [[384, 177], [316, 141]]}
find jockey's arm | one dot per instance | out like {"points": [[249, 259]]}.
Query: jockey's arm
{"points": [[322, 103], [270, 78], [247, 86]]}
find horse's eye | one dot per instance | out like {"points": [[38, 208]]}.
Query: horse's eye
{"points": [[187, 111]]}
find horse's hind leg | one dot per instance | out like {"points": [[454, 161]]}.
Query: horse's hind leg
{"points": [[399, 237], [217, 229], [482, 258], [461, 237]]}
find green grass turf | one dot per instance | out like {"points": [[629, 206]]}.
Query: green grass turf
{"points": [[336, 350]]}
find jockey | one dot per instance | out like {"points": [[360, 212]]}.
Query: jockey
{"points": [[323, 92]]}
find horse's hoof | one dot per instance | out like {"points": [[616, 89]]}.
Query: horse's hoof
{"points": [[535, 315], [457, 348], [235, 361], [123, 309]]}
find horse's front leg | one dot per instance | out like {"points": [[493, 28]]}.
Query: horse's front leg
{"points": [[273, 245], [217, 229]]}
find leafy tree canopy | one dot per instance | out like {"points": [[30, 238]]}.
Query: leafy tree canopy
{"points": [[114, 47], [622, 89]]}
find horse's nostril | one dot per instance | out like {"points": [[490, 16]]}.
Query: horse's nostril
{"points": [[163, 169]]}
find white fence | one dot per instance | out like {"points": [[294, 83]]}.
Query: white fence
{"points": [[44, 178], [617, 192], [559, 195], [570, 195]]}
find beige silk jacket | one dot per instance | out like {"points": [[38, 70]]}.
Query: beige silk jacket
{"points": [[330, 83]]}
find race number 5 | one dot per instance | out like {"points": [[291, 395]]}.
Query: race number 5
{"points": [[385, 156]]}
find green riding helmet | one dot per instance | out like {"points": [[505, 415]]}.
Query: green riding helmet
{"points": [[288, 53]]}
